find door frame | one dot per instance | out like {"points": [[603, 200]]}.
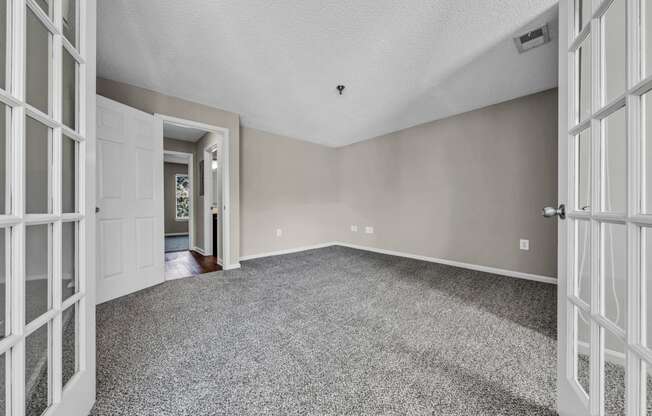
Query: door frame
{"points": [[208, 216], [191, 172], [570, 399], [226, 177]]}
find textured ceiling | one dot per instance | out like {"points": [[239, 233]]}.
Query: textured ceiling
{"points": [[187, 134], [277, 63]]}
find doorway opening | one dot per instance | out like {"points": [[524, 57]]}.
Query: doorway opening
{"points": [[177, 197], [192, 199]]}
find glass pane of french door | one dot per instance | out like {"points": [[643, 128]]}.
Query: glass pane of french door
{"points": [[42, 223], [609, 185]]}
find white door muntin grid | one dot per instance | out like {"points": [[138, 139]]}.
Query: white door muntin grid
{"points": [[596, 33], [16, 219]]}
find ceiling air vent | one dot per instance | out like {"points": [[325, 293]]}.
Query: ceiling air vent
{"points": [[532, 39]]}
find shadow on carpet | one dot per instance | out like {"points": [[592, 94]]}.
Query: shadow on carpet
{"points": [[334, 331]]}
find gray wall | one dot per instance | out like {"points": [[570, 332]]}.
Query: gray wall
{"points": [[172, 225], [154, 102], [287, 184], [465, 188], [175, 145]]}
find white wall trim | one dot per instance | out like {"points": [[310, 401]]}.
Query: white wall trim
{"points": [[232, 266], [226, 179], [199, 250], [209, 190], [486, 269], [286, 251]]}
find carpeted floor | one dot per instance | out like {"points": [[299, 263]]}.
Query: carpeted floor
{"points": [[326, 332], [176, 243]]}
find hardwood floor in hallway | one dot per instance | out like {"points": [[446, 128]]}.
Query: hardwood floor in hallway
{"points": [[188, 263]]}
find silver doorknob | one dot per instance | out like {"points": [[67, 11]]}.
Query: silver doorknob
{"points": [[549, 212]]}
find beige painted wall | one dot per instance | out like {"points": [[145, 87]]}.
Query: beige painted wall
{"points": [[175, 145], [465, 188], [287, 184], [172, 225], [154, 102]]}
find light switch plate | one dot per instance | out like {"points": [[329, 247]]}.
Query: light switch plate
{"points": [[369, 230], [354, 228], [279, 232], [524, 245]]}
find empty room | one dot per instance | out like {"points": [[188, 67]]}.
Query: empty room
{"points": [[325, 207]]}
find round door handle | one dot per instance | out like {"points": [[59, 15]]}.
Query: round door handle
{"points": [[549, 212]]}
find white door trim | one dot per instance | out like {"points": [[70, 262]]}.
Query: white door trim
{"points": [[209, 188], [570, 399], [191, 174], [226, 181]]}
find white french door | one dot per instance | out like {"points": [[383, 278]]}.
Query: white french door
{"points": [[605, 170], [46, 305]]}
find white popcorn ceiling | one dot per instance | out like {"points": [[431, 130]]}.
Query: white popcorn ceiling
{"points": [[277, 63]]}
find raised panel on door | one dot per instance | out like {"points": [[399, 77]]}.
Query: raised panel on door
{"points": [[111, 237], [110, 172], [145, 169], [111, 123], [143, 132], [130, 179], [144, 237]]}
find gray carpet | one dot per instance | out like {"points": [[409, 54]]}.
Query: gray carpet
{"points": [[614, 389], [330, 331], [176, 243]]}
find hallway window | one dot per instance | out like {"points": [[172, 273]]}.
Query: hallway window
{"points": [[182, 197]]}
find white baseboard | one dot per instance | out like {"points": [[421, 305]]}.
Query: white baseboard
{"points": [[175, 234], [199, 250], [232, 266], [486, 269], [286, 251]]}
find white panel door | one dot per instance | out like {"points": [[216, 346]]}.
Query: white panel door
{"points": [[130, 200], [605, 260]]}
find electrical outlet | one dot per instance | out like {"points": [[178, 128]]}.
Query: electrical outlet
{"points": [[524, 245], [354, 228], [369, 230], [279, 232]]}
